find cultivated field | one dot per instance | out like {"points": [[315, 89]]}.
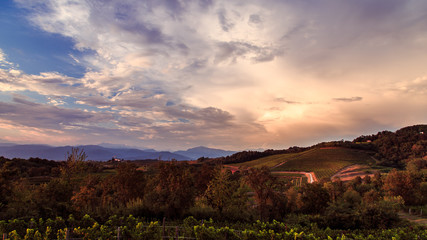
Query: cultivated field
{"points": [[324, 162]]}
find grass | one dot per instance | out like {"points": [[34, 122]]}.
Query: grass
{"points": [[105, 173], [414, 218], [323, 162], [272, 161], [279, 174]]}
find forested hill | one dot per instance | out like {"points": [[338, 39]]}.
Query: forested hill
{"points": [[246, 156], [390, 148], [394, 148]]}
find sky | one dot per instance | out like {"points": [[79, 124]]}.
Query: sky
{"points": [[229, 74]]}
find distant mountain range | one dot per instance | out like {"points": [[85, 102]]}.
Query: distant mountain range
{"points": [[105, 152], [197, 152]]}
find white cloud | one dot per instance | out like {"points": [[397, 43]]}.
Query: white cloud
{"points": [[3, 60], [233, 73]]}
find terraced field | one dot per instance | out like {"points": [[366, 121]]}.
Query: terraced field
{"points": [[324, 162]]}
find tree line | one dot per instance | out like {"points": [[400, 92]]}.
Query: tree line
{"points": [[178, 189], [392, 149]]}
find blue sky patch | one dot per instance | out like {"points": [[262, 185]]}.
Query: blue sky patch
{"points": [[32, 50]]}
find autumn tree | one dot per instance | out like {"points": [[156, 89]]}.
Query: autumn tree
{"points": [[127, 184], [292, 196], [377, 181], [404, 184], [203, 176], [88, 198], [171, 191], [268, 195], [371, 197], [74, 163], [220, 189]]}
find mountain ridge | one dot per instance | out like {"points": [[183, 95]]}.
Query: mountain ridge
{"points": [[201, 151], [101, 153]]}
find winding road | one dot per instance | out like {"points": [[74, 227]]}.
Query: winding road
{"points": [[311, 177]]}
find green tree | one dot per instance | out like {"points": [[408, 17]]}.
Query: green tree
{"points": [[53, 198], [220, 189], [268, 192], [335, 189], [5, 183], [171, 191], [313, 198]]}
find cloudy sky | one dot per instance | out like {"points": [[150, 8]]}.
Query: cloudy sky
{"points": [[240, 74]]}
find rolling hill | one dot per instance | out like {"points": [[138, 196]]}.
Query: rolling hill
{"points": [[324, 162], [197, 152]]}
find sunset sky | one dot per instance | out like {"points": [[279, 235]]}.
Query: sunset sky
{"points": [[246, 74]]}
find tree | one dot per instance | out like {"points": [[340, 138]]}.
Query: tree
{"points": [[53, 198], [88, 197], [313, 198], [75, 161], [352, 198], [220, 189], [404, 184], [127, 184], [227, 195], [5, 182], [339, 215], [292, 196], [267, 191], [378, 181], [371, 197], [171, 191], [204, 176], [20, 201], [335, 189]]}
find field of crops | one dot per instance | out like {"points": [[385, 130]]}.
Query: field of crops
{"points": [[323, 162], [135, 228]]}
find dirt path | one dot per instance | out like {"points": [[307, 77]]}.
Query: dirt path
{"points": [[233, 169], [278, 165], [311, 177], [352, 171], [413, 218]]}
